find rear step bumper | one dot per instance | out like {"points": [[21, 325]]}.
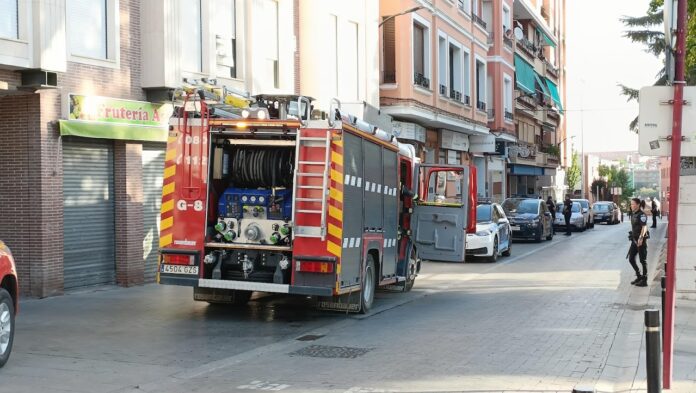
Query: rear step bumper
{"points": [[265, 287]]}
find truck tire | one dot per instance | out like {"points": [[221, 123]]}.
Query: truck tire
{"points": [[367, 293], [7, 326], [411, 272]]}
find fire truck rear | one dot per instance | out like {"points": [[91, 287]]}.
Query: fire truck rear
{"points": [[259, 197]]}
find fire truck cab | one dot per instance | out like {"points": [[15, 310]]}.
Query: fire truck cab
{"points": [[264, 198]]}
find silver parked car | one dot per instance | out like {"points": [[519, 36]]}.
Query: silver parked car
{"points": [[587, 212]]}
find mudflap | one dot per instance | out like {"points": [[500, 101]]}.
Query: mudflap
{"points": [[348, 303]]}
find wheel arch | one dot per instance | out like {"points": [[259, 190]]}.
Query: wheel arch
{"points": [[9, 283]]}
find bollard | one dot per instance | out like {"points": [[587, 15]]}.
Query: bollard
{"points": [[652, 351], [663, 284]]}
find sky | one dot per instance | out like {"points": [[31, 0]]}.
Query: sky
{"points": [[598, 59]]}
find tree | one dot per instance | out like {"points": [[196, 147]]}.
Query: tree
{"points": [[648, 30], [573, 173], [645, 192], [599, 188], [605, 172], [621, 179]]}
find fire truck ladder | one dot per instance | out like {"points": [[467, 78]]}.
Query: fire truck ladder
{"points": [[299, 184]]}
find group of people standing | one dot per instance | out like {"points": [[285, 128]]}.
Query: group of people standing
{"points": [[567, 211]]}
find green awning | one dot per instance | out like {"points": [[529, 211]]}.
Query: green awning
{"points": [[89, 129], [553, 89], [524, 73], [542, 84], [546, 37]]}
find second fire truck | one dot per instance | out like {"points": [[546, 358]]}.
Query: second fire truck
{"points": [[263, 198]]}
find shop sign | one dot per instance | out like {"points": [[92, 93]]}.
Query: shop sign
{"points": [[113, 118], [454, 140], [410, 131], [482, 144]]}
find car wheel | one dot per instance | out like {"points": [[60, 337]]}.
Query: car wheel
{"points": [[537, 238], [7, 320], [494, 256], [367, 294], [508, 252]]}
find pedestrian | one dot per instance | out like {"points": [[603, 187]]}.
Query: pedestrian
{"points": [[552, 210], [567, 213], [653, 210], [639, 246]]}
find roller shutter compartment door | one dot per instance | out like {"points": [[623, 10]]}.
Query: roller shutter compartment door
{"points": [[153, 169], [88, 211]]}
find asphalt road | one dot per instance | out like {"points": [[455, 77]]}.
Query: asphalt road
{"points": [[543, 319]]}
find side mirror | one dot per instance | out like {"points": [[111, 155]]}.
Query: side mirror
{"points": [[502, 221]]}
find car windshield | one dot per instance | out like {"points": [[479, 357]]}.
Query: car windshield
{"points": [[521, 206], [601, 208], [575, 208], [583, 203], [483, 213]]}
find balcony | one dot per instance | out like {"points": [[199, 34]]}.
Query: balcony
{"points": [[455, 95], [466, 100], [460, 5], [509, 116], [388, 77], [508, 42], [420, 80], [480, 105], [491, 114], [443, 91], [479, 21], [550, 69], [527, 47]]}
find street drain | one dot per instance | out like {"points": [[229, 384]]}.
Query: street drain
{"points": [[330, 352], [310, 337]]}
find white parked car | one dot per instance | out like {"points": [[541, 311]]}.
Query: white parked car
{"points": [[577, 218], [493, 235]]}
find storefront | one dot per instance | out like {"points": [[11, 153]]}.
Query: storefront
{"points": [[113, 163]]}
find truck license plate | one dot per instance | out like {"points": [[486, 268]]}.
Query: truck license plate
{"points": [[179, 269]]}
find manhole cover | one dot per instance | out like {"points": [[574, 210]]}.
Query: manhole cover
{"points": [[310, 337], [326, 351]]}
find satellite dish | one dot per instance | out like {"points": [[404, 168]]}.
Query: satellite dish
{"points": [[519, 34]]}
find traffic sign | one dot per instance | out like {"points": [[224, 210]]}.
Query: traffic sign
{"points": [[655, 121]]}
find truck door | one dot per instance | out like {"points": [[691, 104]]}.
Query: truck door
{"points": [[440, 215]]}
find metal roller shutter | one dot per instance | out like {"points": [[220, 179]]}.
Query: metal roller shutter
{"points": [[88, 209], [153, 168]]}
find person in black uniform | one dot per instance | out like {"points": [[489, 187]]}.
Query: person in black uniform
{"points": [[639, 245], [653, 210], [567, 213], [552, 210]]}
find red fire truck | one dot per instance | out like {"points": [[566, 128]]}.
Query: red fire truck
{"points": [[265, 198]]}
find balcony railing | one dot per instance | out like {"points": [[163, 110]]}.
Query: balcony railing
{"points": [[455, 95], [491, 113], [480, 105], [420, 80], [443, 90], [509, 116], [507, 41], [466, 100], [388, 77], [479, 21], [550, 69], [527, 47]]}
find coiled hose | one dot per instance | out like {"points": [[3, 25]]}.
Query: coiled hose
{"points": [[261, 167]]}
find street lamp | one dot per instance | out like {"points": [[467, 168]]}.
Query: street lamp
{"points": [[390, 17]]}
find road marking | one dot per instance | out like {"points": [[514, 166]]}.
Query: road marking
{"points": [[265, 386]]}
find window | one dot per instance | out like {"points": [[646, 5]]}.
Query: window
{"points": [[507, 24], [480, 85], [467, 78], [9, 19], [464, 5], [442, 65], [507, 97], [455, 72], [225, 17], [191, 36], [349, 52], [87, 28], [389, 51], [272, 56], [421, 53]]}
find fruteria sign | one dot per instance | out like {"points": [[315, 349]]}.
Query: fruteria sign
{"points": [[112, 118]]}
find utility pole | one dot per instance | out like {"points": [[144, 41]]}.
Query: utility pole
{"points": [[671, 268]]}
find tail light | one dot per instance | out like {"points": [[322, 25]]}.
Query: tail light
{"points": [[314, 267], [178, 259]]}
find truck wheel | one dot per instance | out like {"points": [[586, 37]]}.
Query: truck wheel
{"points": [[7, 320], [367, 294], [411, 272]]}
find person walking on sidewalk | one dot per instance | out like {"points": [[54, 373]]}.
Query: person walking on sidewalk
{"points": [[639, 245], [653, 210], [552, 210], [567, 213]]}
